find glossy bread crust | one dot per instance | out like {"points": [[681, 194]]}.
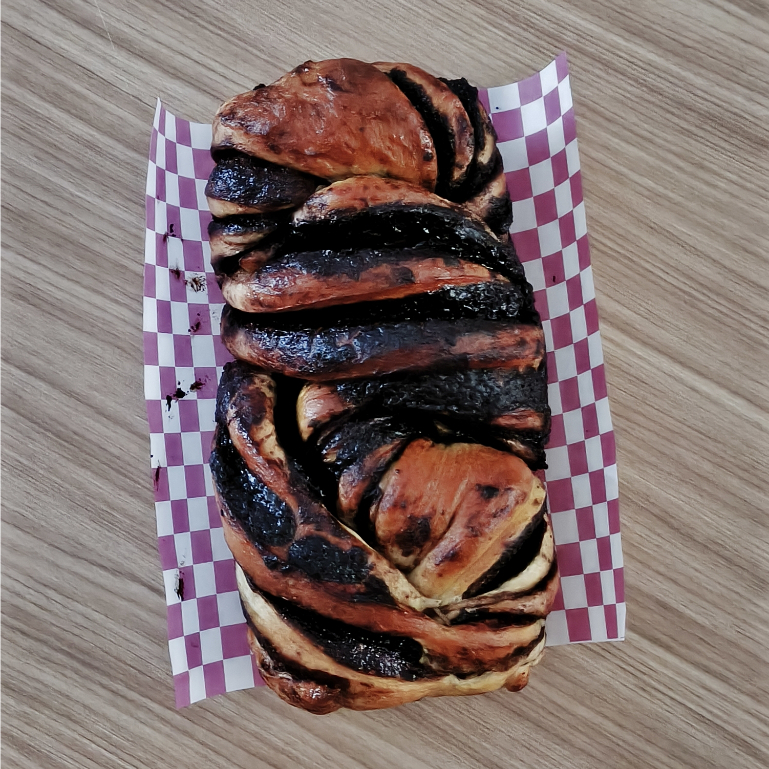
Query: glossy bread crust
{"points": [[331, 119]]}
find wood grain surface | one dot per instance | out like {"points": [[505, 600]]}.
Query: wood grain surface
{"points": [[672, 112]]}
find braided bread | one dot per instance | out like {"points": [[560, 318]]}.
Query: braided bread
{"points": [[378, 432]]}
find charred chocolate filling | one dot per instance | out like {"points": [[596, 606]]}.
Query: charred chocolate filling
{"points": [[354, 440], [243, 179], [246, 224], [514, 560], [403, 225], [264, 516], [478, 394], [389, 226], [477, 174], [437, 125], [479, 301], [379, 654], [352, 263]]}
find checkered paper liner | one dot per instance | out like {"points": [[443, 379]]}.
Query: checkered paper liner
{"points": [[184, 357]]}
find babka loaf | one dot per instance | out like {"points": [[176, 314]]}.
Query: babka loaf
{"points": [[378, 435]]}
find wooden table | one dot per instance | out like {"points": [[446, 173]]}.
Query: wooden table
{"points": [[672, 110]]}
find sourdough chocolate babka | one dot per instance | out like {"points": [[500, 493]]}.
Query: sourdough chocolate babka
{"points": [[378, 434]]}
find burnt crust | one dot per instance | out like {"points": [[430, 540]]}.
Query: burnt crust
{"points": [[407, 225], [327, 278], [249, 225], [346, 352], [481, 395], [448, 231], [498, 407], [478, 301], [465, 326], [264, 516]]}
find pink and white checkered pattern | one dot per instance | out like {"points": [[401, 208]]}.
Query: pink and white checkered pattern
{"points": [[184, 357], [534, 120]]}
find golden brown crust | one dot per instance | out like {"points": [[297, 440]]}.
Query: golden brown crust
{"points": [[447, 513], [331, 119], [318, 404], [359, 193]]}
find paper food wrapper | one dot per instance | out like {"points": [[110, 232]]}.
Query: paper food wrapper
{"points": [[184, 357]]}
